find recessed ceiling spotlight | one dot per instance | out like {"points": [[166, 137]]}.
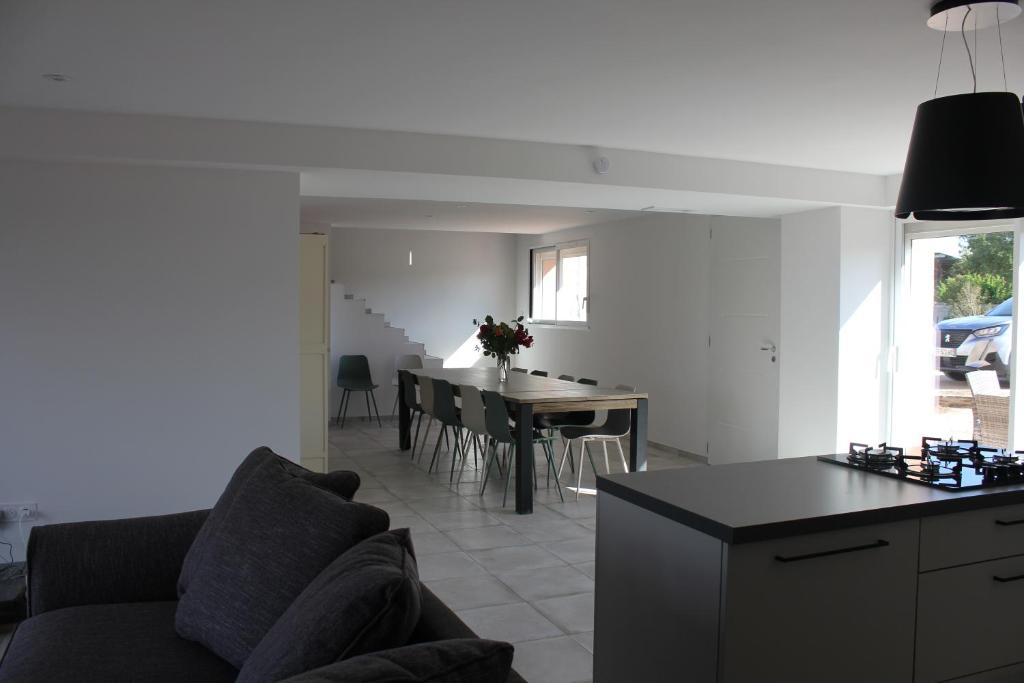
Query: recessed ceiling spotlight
{"points": [[57, 78]]}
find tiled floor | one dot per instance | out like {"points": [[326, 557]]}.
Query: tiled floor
{"points": [[526, 579]]}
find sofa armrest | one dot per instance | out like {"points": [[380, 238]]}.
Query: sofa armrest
{"points": [[118, 560], [438, 622]]}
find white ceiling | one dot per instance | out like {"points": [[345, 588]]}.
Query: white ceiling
{"points": [[816, 83], [323, 212]]}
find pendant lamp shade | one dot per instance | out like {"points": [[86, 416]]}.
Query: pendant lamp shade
{"points": [[966, 159]]}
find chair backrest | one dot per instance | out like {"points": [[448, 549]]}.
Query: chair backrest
{"points": [[567, 378], [983, 382], [444, 402], [522, 370], [354, 371], [409, 389], [540, 373], [618, 421], [408, 362], [586, 380], [473, 414], [497, 417], [427, 395]]}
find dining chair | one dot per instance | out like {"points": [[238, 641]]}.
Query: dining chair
{"points": [[354, 375], [406, 362], [522, 370], [408, 387], [539, 373], [474, 421], [552, 421], [496, 418], [615, 427], [427, 403], [447, 415]]}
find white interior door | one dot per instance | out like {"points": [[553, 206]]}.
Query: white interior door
{"points": [[743, 413], [314, 337]]}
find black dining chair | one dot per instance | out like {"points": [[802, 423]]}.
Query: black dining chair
{"points": [[445, 412], [553, 421], [353, 376], [408, 388], [615, 427]]}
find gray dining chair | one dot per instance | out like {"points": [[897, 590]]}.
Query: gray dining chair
{"points": [[354, 376], [407, 362], [474, 421]]}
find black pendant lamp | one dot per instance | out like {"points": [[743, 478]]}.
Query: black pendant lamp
{"points": [[966, 151]]}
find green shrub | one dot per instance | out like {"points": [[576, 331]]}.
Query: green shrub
{"points": [[973, 293]]}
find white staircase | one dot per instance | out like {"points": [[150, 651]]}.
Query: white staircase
{"points": [[357, 330]]}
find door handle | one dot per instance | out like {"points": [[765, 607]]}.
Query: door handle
{"points": [[769, 347]]}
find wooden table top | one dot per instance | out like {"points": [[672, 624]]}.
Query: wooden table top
{"points": [[523, 388]]}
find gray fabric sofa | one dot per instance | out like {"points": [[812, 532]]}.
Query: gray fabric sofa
{"points": [[102, 600]]}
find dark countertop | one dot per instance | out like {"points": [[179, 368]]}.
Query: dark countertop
{"points": [[768, 499]]}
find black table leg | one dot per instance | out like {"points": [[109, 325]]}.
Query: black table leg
{"points": [[638, 437], [404, 418], [524, 459]]}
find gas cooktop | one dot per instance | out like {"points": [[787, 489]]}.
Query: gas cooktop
{"points": [[948, 464]]}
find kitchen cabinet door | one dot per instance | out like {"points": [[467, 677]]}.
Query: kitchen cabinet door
{"points": [[836, 606]]}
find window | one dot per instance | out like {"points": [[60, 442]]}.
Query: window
{"points": [[560, 284]]}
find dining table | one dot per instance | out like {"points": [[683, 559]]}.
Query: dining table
{"points": [[530, 395]]}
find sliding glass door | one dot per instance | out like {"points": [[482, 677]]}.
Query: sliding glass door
{"points": [[954, 335]]}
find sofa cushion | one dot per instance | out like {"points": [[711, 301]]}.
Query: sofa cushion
{"points": [[469, 660], [342, 482], [270, 539], [110, 643], [367, 599]]}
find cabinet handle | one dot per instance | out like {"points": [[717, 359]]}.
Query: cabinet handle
{"points": [[1008, 579], [796, 558], [1012, 522]]}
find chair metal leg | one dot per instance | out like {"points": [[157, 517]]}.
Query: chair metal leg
{"points": [[417, 439], [488, 468], [394, 408], [551, 468], [373, 398], [347, 399], [579, 470], [458, 452], [437, 448], [426, 435], [604, 445], [341, 405], [622, 455], [508, 479], [501, 472]]}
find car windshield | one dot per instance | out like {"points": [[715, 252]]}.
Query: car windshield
{"points": [[1005, 308]]}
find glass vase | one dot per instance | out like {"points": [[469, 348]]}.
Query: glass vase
{"points": [[504, 363]]}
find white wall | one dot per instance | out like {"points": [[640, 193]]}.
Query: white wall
{"points": [[808, 342], [836, 275], [454, 278], [149, 334], [865, 274], [649, 298]]}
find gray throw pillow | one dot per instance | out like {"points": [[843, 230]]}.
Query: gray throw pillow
{"points": [[272, 537], [367, 599], [342, 482], [464, 660]]}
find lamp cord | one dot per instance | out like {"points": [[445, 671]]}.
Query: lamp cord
{"points": [[970, 59], [1002, 56], [942, 48]]}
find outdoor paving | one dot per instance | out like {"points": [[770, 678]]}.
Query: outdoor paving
{"points": [[526, 579]]}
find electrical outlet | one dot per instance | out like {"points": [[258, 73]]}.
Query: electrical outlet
{"points": [[13, 512]]}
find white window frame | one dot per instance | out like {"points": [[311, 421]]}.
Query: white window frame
{"points": [[558, 249]]}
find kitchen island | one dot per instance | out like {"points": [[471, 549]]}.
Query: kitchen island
{"points": [[801, 570]]}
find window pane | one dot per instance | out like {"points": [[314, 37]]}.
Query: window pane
{"points": [[544, 284], [572, 295]]}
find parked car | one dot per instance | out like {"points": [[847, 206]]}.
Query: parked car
{"points": [[977, 342]]}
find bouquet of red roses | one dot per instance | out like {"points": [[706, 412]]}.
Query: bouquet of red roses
{"points": [[503, 339]]}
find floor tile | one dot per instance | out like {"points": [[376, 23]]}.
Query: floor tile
{"points": [[574, 551], [414, 522], [587, 568], [547, 582], [484, 538], [513, 623], [572, 613], [554, 530], [554, 660], [432, 542], [512, 559], [466, 519], [469, 592], [586, 640], [447, 566]]}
